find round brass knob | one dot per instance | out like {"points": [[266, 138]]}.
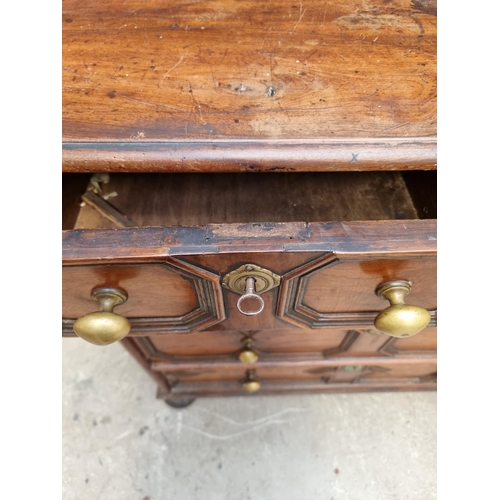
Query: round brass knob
{"points": [[251, 386], [248, 356], [250, 304], [104, 326], [400, 319]]}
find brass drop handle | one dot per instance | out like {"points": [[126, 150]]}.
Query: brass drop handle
{"points": [[250, 304], [400, 319], [251, 384], [104, 327]]}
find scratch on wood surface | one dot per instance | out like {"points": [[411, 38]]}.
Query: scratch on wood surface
{"points": [[324, 11], [125, 96], [197, 105], [86, 66], [213, 78], [301, 15], [283, 110], [211, 112], [375, 22], [271, 56], [152, 103], [395, 126], [172, 68], [347, 230]]}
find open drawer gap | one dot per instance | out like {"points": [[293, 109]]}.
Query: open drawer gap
{"points": [[200, 199]]}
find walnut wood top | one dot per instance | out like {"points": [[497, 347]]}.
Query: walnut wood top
{"points": [[233, 85]]}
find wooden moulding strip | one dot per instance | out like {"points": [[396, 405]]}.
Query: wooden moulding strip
{"points": [[199, 364], [321, 155], [345, 239], [207, 389]]}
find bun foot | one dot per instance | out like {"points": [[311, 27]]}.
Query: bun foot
{"points": [[180, 402]]}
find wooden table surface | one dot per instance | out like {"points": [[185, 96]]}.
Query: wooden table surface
{"points": [[249, 85]]}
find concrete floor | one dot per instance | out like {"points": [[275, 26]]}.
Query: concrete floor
{"points": [[119, 442]]}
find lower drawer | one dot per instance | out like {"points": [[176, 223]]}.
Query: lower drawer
{"points": [[226, 345], [210, 363], [301, 376]]}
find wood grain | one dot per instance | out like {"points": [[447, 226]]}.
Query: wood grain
{"points": [[349, 285], [153, 290], [367, 342], [203, 76], [222, 347], [425, 341], [276, 155], [275, 388], [334, 291], [295, 370], [199, 199], [422, 187], [376, 238], [73, 185], [218, 345], [106, 210]]}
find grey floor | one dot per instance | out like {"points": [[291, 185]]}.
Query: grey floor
{"points": [[120, 443]]}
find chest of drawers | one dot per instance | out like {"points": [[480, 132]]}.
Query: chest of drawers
{"points": [[258, 185]]}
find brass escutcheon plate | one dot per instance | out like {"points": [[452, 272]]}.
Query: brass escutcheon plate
{"points": [[264, 279]]}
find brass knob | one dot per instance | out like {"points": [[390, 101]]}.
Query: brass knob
{"points": [[400, 319], [251, 384], [250, 304], [104, 326], [248, 355]]}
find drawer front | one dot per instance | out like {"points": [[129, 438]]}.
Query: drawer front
{"points": [[173, 276], [341, 291], [154, 290], [327, 373], [163, 296], [226, 345], [308, 377], [231, 342], [208, 363]]}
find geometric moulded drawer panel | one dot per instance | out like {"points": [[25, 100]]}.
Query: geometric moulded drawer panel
{"points": [[331, 292], [172, 296]]}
